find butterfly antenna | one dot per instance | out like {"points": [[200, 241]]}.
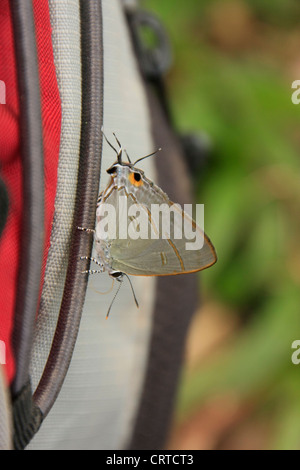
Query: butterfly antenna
{"points": [[147, 156], [109, 142], [120, 150], [127, 156], [118, 142], [134, 296], [108, 312]]}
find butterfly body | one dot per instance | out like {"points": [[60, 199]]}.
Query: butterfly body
{"points": [[130, 183]]}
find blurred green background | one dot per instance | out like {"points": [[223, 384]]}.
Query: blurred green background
{"points": [[234, 64]]}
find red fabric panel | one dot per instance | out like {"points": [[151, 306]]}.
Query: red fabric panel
{"points": [[10, 158]]}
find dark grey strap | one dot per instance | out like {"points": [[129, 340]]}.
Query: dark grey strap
{"points": [[32, 239], [175, 304]]}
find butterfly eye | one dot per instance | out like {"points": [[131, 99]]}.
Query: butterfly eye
{"points": [[135, 179]]}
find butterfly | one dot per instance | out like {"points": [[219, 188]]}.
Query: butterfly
{"points": [[126, 206]]}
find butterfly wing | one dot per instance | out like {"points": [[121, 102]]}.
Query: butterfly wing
{"points": [[162, 254], [160, 258]]}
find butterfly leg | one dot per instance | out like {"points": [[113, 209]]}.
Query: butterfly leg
{"points": [[92, 259], [99, 198], [88, 230], [93, 271]]}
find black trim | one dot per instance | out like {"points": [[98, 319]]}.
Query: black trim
{"points": [[32, 233]]}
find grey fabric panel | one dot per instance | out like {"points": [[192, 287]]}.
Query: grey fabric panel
{"points": [[97, 404], [66, 47], [5, 416]]}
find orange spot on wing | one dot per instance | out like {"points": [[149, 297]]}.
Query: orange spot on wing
{"points": [[133, 181]]}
